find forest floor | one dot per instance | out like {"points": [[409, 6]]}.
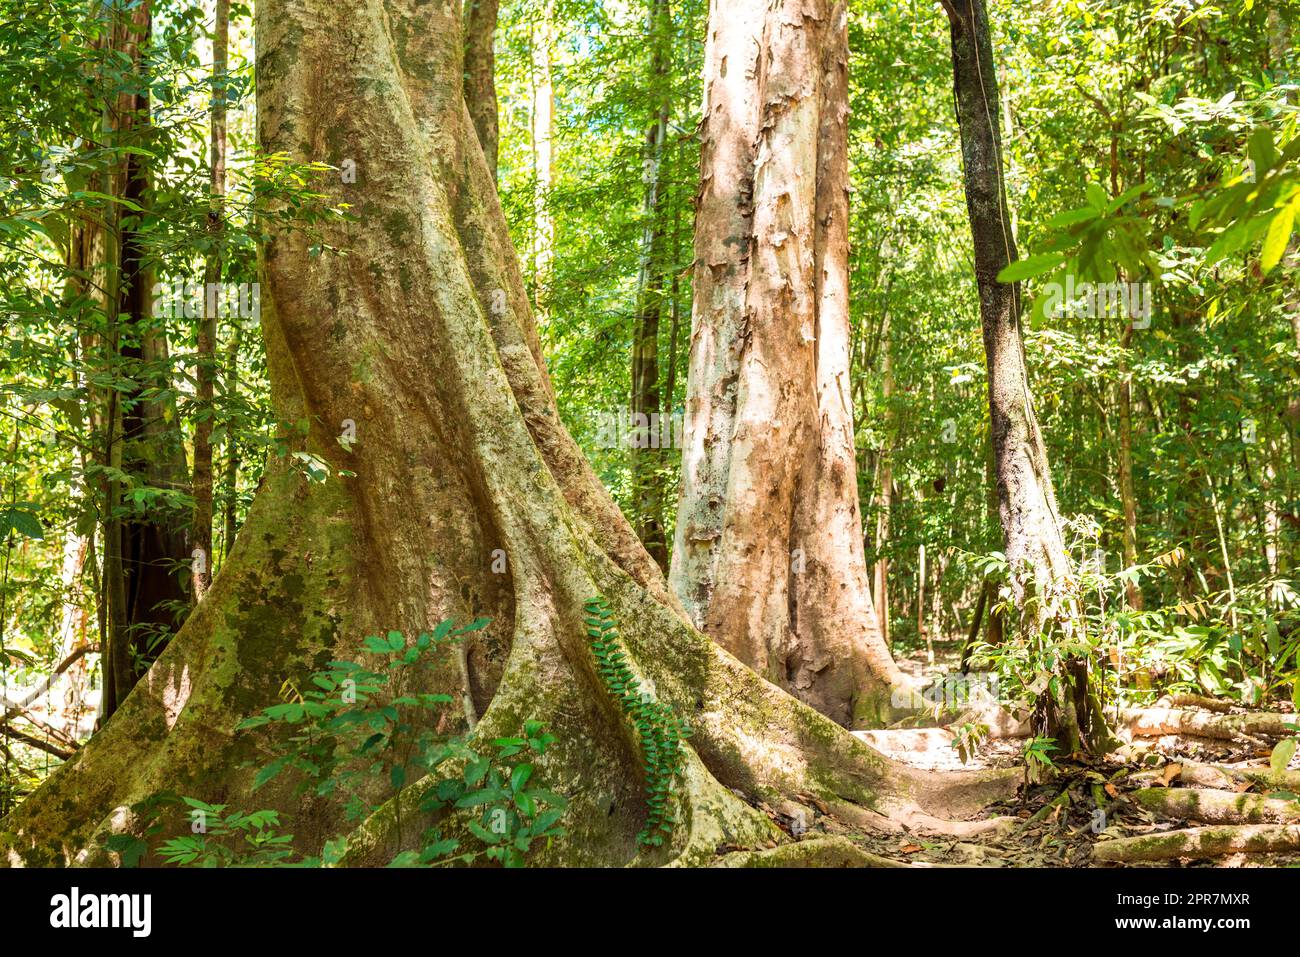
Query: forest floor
{"points": [[1157, 796]]}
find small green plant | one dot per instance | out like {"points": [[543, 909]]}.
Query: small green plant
{"points": [[513, 812], [223, 839], [1284, 751], [967, 739], [352, 725], [1038, 757], [659, 729]]}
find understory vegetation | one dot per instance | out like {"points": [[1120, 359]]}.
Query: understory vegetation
{"points": [[1070, 554]]}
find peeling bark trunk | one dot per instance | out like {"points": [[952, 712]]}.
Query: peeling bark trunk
{"points": [[459, 451], [767, 555]]}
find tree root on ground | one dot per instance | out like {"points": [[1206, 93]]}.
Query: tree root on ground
{"points": [[1195, 701], [815, 852], [1154, 722], [1200, 842], [1217, 807], [1222, 776], [914, 821]]}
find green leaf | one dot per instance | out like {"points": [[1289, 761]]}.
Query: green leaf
{"points": [[477, 798], [1279, 232], [1033, 266], [1262, 151], [438, 849], [19, 518], [268, 772], [520, 775], [129, 847], [1072, 217], [525, 803], [476, 770], [483, 834], [1282, 754]]}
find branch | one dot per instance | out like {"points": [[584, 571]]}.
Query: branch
{"points": [[21, 702], [35, 742]]}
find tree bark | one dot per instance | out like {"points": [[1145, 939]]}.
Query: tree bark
{"points": [[767, 555], [143, 556], [651, 431], [885, 493], [1128, 497], [201, 554], [480, 75], [1040, 568], [543, 121], [231, 481], [460, 452]]}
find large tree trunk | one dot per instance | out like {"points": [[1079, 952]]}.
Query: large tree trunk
{"points": [[768, 556], [459, 452], [1042, 579]]}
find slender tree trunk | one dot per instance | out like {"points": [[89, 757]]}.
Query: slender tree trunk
{"points": [[674, 332], [206, 358], [885, 493], [767, 555], [1128, 497], [146, 558], [543, 160], [922, 633], [1042, 579], [480, 75], [651, 432], [460, 453], [82, 260], [231, 480]]}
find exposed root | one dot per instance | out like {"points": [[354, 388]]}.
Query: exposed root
{"points": [[1195, 701], [1217, 807], [1154, 722], [1200, 842], [922, 823], [907, 740], [912, 821], [815, 852], [1221, 776]]}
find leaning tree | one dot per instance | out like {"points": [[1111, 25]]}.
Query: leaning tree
{"points": [[409, 321], [1042, 578]]}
